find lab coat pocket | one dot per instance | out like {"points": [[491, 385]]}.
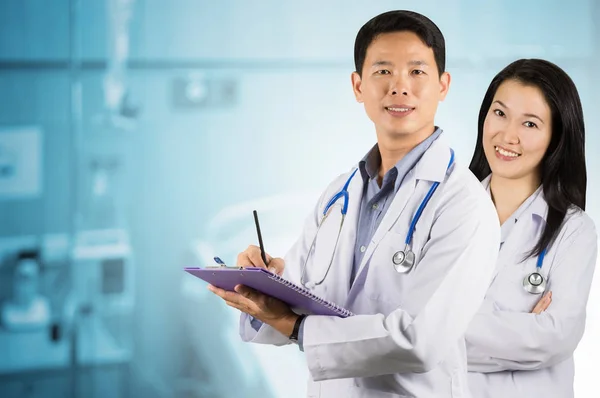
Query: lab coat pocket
{"points": [[387, 287], [508, 292], [386, 386]]}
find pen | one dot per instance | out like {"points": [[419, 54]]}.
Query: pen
{"points": [[220, 262], [260, 241]]}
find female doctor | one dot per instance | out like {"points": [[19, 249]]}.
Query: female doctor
{"points": [[530, 157]]}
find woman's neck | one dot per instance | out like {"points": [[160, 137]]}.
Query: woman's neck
{"points": [[509, 194]]}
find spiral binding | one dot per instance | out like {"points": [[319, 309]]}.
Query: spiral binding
{"points": [[339, 310]]}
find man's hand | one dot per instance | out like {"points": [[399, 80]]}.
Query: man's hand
{"points": [[543, 304], [251, 258], [267, 309]]}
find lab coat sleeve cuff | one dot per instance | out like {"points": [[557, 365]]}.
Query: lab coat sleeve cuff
{"points": [[480, 362], [264, 335], [301, 335], [314, 359]]}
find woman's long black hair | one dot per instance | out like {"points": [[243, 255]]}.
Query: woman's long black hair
{"points": [[563, 170]]}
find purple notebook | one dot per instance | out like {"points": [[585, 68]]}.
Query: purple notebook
{"points": [[270, 284]]}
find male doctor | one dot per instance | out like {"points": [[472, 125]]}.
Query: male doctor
{"points": [[406, 339]]}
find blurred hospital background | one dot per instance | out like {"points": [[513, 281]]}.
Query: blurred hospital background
{"points": [[137, 136]]}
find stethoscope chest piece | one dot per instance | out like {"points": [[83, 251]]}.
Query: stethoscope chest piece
{"points": [[534, 283], [403, 260]]}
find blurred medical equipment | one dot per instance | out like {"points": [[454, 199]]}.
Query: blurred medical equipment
{"points": [[103, 275], [21, 162], [120, 111], [87, 322], [102, 200], [26, 309], [8, 162], [34, 307]]}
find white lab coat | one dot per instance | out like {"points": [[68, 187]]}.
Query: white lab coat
{"points": [[513, 353], [407, 339]]}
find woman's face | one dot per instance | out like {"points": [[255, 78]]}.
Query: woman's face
{"points": [[517, 131]]}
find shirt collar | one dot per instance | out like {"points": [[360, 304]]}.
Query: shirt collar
{"points": [[535, 203], [369, 165]]}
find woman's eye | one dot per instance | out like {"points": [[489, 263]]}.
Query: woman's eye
{"points": [[498, 112], [529, 124]]}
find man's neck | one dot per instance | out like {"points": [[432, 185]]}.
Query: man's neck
{"points": [[509, 194], [394, 147]]}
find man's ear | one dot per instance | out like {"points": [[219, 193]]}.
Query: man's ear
{"points": [[444, 85], [356, 86]]}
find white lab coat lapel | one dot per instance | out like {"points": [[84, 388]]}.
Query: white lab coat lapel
{"points": [[511, 248], [507, 251], [431, 167], [513, 251]]}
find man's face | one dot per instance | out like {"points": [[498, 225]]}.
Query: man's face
{"points": [[400, 86]]}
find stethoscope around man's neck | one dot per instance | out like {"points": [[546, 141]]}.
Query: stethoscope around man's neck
{"points": [[403, 260]]}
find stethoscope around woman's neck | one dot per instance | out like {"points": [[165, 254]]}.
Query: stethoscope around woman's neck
{"points": [[534, 283]]}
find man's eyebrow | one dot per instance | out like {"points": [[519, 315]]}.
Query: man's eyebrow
{"points": [[418, 62], [382, 63]]}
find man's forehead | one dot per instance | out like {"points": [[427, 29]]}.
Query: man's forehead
{"points": [[411, 56], [390, 49]]}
